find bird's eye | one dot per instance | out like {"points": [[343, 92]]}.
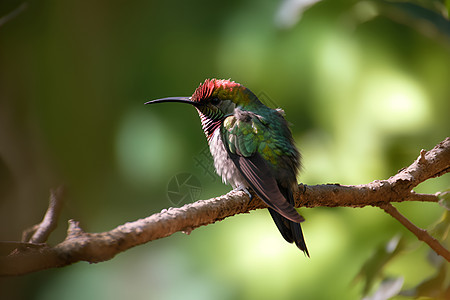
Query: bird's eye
{"points": [[215, 101]]}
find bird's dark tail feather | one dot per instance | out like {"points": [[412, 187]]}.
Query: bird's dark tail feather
{"points": [[291, 231]]}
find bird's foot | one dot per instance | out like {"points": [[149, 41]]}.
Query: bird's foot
{"points": [[245, 190]]}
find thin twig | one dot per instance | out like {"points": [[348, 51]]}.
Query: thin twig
{"points": [[50, 220], [421, 234]]}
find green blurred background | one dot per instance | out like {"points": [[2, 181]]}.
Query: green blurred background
{"points": [[365, 84]]}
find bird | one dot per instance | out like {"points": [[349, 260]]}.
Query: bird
{"points": [[252, 147]]}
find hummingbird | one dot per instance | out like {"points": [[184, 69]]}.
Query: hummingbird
{"points": [[252, 147]]}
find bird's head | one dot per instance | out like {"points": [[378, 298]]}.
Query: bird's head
{"points": [[215, 99]]}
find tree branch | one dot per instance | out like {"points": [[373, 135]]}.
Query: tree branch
{"points": [[97, 247], [41, 231], [421, 234]]}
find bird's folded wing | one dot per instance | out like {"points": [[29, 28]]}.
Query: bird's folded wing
{"points": [[235, 135]]}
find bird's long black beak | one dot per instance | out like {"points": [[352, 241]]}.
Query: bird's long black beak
{"points": [[173, 99]]}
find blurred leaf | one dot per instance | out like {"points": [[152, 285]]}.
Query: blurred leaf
{"points": [[428, 22], [434, 5], [373, 267], [291, 11], [437, 6], [388, 288], [444, 199], [447, 5], [434, 287], [441, 228]]}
